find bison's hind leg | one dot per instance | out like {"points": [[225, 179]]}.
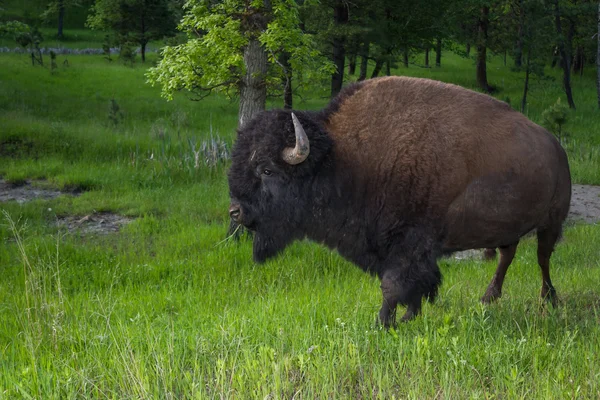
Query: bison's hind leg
{"points": [[494, 290], [547, 238]]}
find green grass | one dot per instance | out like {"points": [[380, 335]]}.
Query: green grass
{"points": [[167, 308]]}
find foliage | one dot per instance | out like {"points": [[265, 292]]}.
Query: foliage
{"points": [[212, 59], [13, 28]]}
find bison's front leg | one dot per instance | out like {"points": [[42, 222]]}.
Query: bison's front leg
{"points": [[407, 285]]}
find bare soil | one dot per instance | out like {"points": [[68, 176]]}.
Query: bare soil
{"points": [[95, 223], [25, 191], [585, 204]]}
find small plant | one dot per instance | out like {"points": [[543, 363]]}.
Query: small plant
{"points": [[554, 117], [159, 129], [127, 53], [30, 38], [115, 115], [180, 119], [209, 152], [106, 46], [53, 65]]}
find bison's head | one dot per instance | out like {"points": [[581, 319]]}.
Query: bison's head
{"points": [[277, 159]]}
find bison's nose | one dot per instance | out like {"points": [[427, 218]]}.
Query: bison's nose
{"points": [[235, 212]]}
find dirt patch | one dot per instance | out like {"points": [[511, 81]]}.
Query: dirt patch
{"points": [[25, 191], [585, 204], [97, 223]]}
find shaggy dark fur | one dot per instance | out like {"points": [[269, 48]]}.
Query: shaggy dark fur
{"points": [[401, 170]]}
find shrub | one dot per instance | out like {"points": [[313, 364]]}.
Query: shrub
{"points": [[554, 117]]}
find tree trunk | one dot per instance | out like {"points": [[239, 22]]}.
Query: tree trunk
{"points": [[578, 60], [61, 18], [388, 68], [287, 72], [598, 58], [364, 62], [438, 52], [555, 57], [253, 89], [468, 49], [378, 66], [340, 17], [405, 58], [569, 42], [427, 56], [564, 55], [482, 50], [142, 38], [526, 88], [520, 34], [352, 64]]}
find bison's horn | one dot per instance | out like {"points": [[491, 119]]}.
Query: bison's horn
{"points": [[295, 155]]}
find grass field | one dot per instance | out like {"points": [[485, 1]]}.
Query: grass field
{"points": [[166, 308]]}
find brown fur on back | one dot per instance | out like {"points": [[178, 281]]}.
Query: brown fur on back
{"points": [[460, 156]]}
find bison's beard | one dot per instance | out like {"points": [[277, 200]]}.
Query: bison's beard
{"points": [[265, 246]]}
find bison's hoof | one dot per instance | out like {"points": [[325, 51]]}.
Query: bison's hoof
{"points": [[550, 296], [386, 321], [491, 295]]}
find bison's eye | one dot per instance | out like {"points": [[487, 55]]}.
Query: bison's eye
{"points": [[267, 172]]}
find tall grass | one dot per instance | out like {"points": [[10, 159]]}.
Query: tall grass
{"points": [[190, 318]]}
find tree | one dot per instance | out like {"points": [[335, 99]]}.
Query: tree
{"points": [[598, 57], [564, 52], [234, 47], [399, 28], [340, 18], [534, 38], [482, 43], [518, 10], [58, 8], [336, 25], [134, 21]]}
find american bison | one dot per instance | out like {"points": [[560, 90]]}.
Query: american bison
{"points": [[397, 171]]}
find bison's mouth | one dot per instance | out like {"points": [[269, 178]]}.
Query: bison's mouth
{"points": [[244, 220], [249, 226]]}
